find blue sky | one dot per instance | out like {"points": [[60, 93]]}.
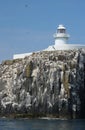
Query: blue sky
{"points": [[29, 25]]}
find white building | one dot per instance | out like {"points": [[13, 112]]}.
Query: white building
{"points": [[61, 43]]}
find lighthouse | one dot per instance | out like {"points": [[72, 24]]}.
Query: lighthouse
{"points": [[61, 37]]}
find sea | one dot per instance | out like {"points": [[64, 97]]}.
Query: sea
{"points": [[41, 124]]}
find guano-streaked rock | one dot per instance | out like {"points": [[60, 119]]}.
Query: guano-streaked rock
{"points": [[49, 83]]}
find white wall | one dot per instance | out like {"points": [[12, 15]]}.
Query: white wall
{"points": [[18, 56]]}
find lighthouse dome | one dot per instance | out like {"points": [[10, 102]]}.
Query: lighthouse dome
{"points": [[61, 27]]}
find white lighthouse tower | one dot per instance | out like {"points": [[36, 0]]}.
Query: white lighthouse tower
{"points": [[61, 37]]}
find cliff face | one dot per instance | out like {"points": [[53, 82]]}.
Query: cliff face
{"points": [[45, 83]]}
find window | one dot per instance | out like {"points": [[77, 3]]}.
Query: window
{"points": [[61, 31]]}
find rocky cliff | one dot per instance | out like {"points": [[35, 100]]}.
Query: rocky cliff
{"points": [[44, 84]]}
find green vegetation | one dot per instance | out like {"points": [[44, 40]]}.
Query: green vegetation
{"points": [[10, 62], [66, 82], [28, 69], [7, 62]]}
